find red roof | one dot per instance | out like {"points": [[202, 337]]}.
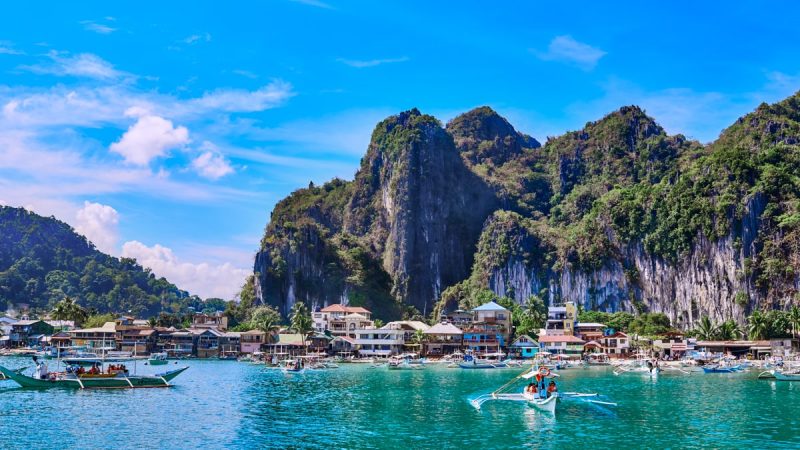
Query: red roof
{"points": [[567, 339], [338, 307]]}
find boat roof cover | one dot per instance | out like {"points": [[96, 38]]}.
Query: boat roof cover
{"points": [[565, 338]]}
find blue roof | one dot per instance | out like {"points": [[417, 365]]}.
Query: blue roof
{"points": [[491, 306]]}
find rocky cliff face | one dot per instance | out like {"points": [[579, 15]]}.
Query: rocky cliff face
{"points": [[616, 216]]}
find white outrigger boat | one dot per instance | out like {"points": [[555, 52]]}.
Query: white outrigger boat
{"points": [[541, 394], [406, 361], [489, 361]]}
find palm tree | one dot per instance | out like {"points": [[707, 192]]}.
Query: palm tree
{"points": [[757, 326], [794, 319], [729, 330], [418, 338], [68, 309], [265, 319], [706, 330], [301, 321]]}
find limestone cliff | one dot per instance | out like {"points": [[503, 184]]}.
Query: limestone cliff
{"points": [[617, 216]]}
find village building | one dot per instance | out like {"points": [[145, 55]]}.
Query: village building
{"points": [[561, 320], [206, 342], [332, 318], [460, 318], [524, 346], [442, 339], [565, 344], [251, 341], [616, 345], [379, 342], [180, 344], [230, 344], [673, 345], [589, 331], [217, 321], [285, 345], [100, 339], [28, 332]]}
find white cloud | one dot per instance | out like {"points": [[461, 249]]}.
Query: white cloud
{"points": [[360, 64], [239, 100], [99, 28], [81, 65], [150, 137], [195, 38], [211, 164], [315, 3], [7, 48], [98, 223], [204, 279], [566, 49]]}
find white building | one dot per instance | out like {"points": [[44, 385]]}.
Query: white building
{"points": [[379, 341], [341, 320]]}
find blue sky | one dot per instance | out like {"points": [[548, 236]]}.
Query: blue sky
{"points": [[167, 131]]}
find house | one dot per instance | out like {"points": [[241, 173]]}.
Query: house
{"points": [[319, 342], [230, 343], [495, 315], [100, 339], [61, 341], [217, 320], [483, 339], [331, 318], [207, 342], [565, 344], [251, 341], [524, 347], [561, 320], [616, 345], [134, 337], [137, 341], [286, 344], [24, 332], [460, 318], [671, 344], [343, 344], [442, 339], [5, 325], [409, 329], [589, 331], [180, 344], [380, 342]]}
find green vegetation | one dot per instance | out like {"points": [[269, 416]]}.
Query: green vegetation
{"points": [[43, 262], [67, 309]]}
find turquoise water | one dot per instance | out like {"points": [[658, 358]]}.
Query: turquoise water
{"points": [[225, 404]]}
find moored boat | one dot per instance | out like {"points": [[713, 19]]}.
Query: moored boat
{"points": [[786, 375], [71, 380], [158, 359]]}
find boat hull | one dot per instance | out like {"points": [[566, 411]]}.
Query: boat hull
{"points": [[157, 362], [547, 405], [786, 377], [119, 382]]}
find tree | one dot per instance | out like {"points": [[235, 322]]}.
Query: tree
{"points": [[729, 330], [301, 320], [793, 318], [418, 338], [152, 322], [706, 330], [266, 319], [67, 309], [757, 326], [98, 320]]}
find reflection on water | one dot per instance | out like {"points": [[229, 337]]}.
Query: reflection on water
{"points": [[224, 404]]}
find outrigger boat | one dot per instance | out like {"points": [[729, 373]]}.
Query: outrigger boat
{"points": [[158, 359], [724, 365], [73, 379], [781, 375], [406, 361], [490, 361], [642, 366], [542, 395]]}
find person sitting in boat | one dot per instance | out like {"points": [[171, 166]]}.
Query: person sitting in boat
{"points": [[551, 388], [80, 371], [530, 388]]}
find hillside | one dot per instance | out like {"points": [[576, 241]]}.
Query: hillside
{"points": [[42, 260], [618, 216]]}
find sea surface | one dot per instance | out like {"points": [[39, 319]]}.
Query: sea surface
{"points": [[232, 405]]}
